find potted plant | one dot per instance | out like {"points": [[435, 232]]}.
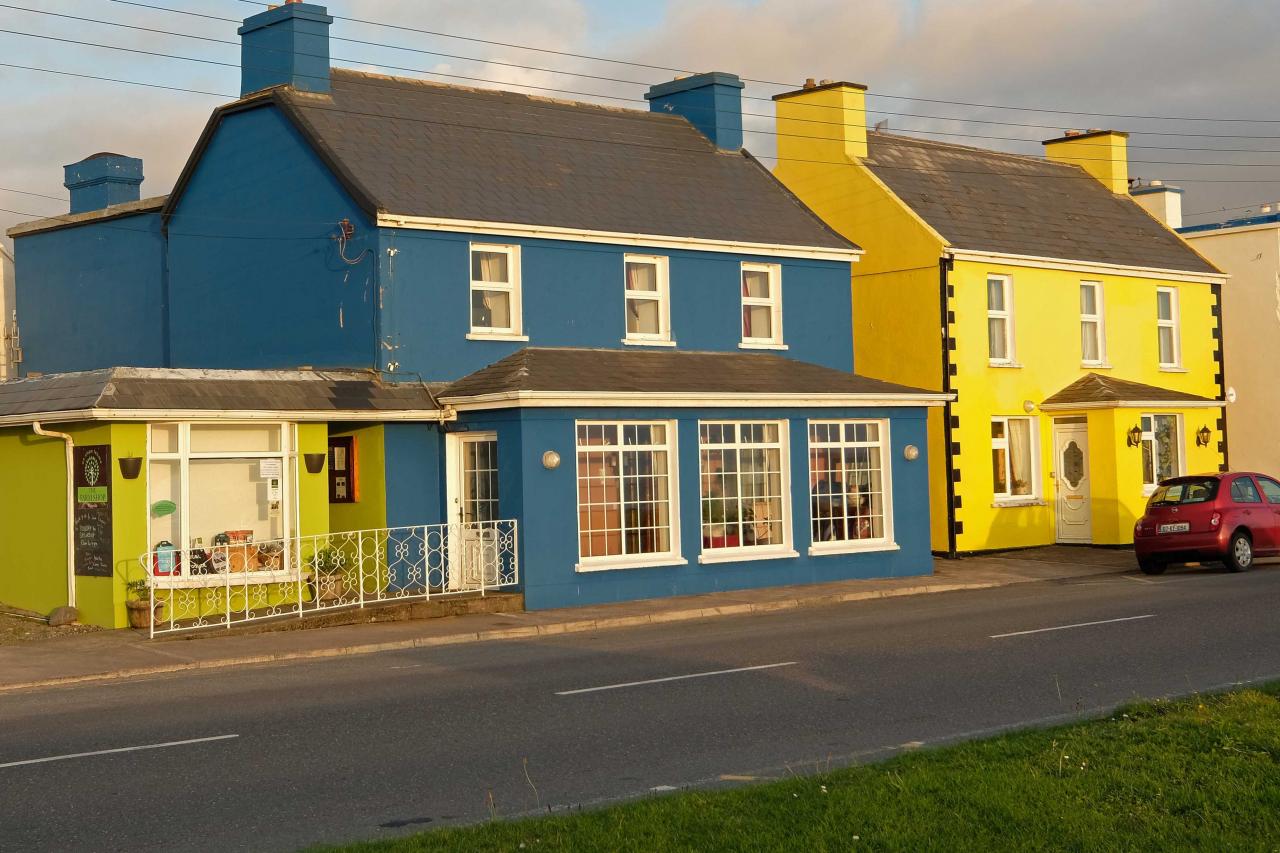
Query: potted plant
{"points": [[142, 610]]}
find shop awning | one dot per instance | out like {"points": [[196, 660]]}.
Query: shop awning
{"points": [[1094, 391]]}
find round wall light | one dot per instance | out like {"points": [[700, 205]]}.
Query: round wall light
{"points": [[1028, 406], [911, 453], [551, 460], [1231, 394]]}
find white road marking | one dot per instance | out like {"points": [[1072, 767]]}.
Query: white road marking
{"points": [[1076, 625], [118, 749], [674, 678]]}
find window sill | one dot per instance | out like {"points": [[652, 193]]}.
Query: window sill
{"points": [[636, 342], [761, 345], [495, 336], [1017, 503], [610, 565], [1095, 365], [1172, 368], [832, 548], [744, 555], [1005, 364]]}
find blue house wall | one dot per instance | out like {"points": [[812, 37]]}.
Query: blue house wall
{"points": [[92, 296], [545, 503], [256, 280], [573, 295]]}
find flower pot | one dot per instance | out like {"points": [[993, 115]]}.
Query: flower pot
{"points": [[141, 612]]}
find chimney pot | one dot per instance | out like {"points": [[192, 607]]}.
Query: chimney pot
{"points": [[826, 82], [809, 83]]}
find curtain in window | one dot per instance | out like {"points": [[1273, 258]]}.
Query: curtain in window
{"points": [[1020, 455]]}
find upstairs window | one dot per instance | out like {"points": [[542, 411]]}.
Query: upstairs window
{"points": [[761, 305], [495, 290], [647, 298], [1000, 319], [1161, 449], [1167, 327], [1093, 348]]}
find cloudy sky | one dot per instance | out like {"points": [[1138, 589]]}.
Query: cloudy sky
{"points": [[1192, 81]]}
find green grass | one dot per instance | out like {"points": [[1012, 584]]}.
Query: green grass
{"points": [[1201, 773]]}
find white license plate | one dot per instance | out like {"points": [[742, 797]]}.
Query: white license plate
{"points": [[1180, 527]]}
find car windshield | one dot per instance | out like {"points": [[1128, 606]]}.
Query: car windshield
{"points": [[1188, 491]]}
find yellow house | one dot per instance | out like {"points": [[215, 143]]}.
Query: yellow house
{"points": [[1079, 334]]}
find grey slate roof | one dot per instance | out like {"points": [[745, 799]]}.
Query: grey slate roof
{"points": [[140, 388], [996, 202], [1094, 388], [114, 211], [666, 372], [421, 148]]}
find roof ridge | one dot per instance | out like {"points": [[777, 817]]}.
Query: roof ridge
{"points": [[990, 152]]}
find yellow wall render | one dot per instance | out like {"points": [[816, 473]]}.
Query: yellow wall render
{"points": [[369, 511]]}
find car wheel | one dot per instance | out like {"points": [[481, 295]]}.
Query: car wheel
{"points": [[1150, 566], [1239, 552]]}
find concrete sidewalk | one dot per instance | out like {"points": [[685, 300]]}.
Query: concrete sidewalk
{"points": [[126, 654]]}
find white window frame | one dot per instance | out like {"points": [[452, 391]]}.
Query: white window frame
{"points": [[751, 552], [846, 546], [773, 302], [1006, 314], [512, 288], [1007, 497], [1174, 323], [670, 557], [662, 296], [289, 510], [1149, 435], [1098, 320]]}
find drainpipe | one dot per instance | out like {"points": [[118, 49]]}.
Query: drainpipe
{"points": [[71, 543]]}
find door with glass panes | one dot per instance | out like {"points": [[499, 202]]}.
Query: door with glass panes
{"points": [[472, 494]]}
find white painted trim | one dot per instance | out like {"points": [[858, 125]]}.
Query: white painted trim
{"points": [[646, 343], [197, 415], [846, 548], [1088, 267], [495, 336], [612, 564], [687, 399], [1134, 404], [755, 345], [585, 235], [745, 555]]}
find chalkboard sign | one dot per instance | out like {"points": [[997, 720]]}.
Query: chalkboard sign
{"points": [[92, 482]]}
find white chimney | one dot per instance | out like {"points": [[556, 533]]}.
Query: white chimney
{"points": [[1161, 201]]}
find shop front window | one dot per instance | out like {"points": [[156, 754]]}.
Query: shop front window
{"points": [[215, 490]]}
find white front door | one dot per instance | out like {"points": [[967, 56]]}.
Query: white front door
{"points": [[472, 495], [1071, 465]]}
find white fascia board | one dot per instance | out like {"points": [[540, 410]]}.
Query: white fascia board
{"points": [[224, 415], [583, 235], [1236, 229], [1089, 267], [1127, 404], [687, 400]]}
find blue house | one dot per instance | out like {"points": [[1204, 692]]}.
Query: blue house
{"points": [[624, 338]]}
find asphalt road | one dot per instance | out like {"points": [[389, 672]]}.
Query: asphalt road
{"points": [[372, 746]]}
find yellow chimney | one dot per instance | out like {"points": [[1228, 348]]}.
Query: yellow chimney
{"points": [[822, 123], [1102, 153]]}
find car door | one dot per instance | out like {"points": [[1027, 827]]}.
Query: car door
{"points": [[1252, 513], [1271, 494]]}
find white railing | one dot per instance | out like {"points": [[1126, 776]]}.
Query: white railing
{"points": [[237, 582]]}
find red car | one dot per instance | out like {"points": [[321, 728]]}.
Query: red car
{"points": [[1231, 518]]}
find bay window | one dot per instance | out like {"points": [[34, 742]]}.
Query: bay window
{"points": [[1013, 463], [1161, 449], [743, 486], [626, 501], [221, 493], [849, 484]]}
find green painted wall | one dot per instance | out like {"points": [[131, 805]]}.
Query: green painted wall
{"points": [[369, 512], [33, 521], [313, 489]]}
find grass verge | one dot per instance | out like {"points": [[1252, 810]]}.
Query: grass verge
{"points": [[1200, 773]]}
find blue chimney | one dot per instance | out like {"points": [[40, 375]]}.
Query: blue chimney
{"points": [[101, 180], [286, 46], [711, 102]]}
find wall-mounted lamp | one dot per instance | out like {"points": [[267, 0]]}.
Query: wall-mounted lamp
{"points": [[911, 453], [551, 460], [1028, 406], [1203, 435], [1135, 436], [314, 462], [130, 467]]}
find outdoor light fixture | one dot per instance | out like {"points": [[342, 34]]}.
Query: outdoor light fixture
{"points": [[1203, 435], [1135, 436], [550, 460], [1028, 406], [130, 467], [911, 453], [314, 462]]}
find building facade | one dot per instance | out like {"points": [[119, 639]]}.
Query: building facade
{"points": [[604, 345], [1079, 335], [10, 348]]}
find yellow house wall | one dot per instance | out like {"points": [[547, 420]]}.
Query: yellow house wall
{"points": [[1047, 346], [369, 511], [1251, 332]]}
